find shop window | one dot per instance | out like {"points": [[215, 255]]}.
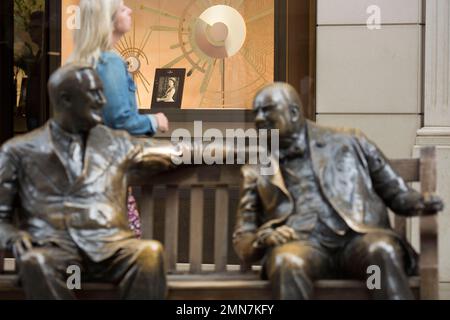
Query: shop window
{"points": [[227, 48]]}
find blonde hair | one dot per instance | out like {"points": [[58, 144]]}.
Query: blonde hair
{"points": [[95, 32]]}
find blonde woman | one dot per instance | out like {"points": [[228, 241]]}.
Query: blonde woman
{"points": [[103, 23]]}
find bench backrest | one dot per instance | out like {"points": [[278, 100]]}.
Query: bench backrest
{"points": [[223, 180]]}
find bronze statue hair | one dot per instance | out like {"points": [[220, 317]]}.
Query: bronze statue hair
{"points": [[287, 91], [65, 78]]}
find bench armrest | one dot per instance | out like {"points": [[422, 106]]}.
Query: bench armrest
{"points": [[429, 261]]}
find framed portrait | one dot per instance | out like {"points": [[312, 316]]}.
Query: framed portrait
{"points": [[168, 88]]}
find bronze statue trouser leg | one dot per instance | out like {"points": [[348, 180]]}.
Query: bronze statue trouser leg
{"points": [[138, 269], [43, 275], [384, 251], [293, 267]]}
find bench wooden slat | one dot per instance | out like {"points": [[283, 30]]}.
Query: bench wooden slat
{"points": [[146, 211], [400, 225], [196, 229], [213, 287], [230, 174], [186, 176], [171, 227], [221, 229], [408, 169]]}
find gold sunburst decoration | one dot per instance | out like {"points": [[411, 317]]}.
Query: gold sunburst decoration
{"points": [[135, 57]]}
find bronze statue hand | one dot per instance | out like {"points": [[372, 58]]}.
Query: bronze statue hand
{"points": [[278, 236], [430, 204], [21, 243]]}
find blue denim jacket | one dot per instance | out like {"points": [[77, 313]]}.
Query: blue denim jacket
{"points": [[120, 110]]}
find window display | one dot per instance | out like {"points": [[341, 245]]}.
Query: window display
{"points": [[226, 47]]}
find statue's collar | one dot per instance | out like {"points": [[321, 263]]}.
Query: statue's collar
{"points": [[298, 146], [316, 137], [63, 136]]}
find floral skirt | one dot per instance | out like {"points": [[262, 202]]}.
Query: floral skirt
{"points": [[133, 214]]}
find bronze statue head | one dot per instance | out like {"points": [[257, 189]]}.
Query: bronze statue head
{"points": [[76, 94], [278, 106]]}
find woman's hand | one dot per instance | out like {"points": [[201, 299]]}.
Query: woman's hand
{"points": [[163, 122]]}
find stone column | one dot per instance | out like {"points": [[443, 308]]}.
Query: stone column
{"points": [[436, 129]]}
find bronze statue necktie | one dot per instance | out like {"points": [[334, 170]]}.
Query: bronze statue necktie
{"points": [[76, 158]]}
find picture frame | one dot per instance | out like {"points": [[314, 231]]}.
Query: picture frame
{"points": [[168, 88]]}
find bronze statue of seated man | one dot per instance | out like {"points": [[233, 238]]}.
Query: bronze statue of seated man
{"points": [[324, 213], [69, 177]]}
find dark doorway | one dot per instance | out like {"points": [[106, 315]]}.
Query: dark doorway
{"points": [[7, 93], [31, 45]]}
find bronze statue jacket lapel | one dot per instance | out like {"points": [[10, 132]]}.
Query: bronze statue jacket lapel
{"points": [[101, 149], [97, 157], [61, 181], [277, 201]]}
